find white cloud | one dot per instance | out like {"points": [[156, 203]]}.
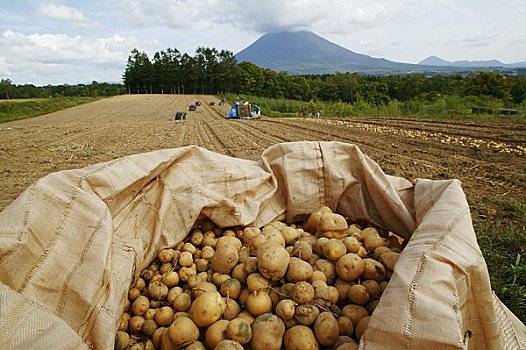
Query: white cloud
{"points": [[40, 58], [261, 16], [65, 14]]}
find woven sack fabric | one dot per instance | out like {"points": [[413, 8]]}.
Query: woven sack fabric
{"points": [[71, 243]]}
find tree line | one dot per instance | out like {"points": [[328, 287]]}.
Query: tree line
{"points": [[8, 90], [212, 71]]}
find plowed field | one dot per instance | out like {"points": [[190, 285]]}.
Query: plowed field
{"points": [[487, 155]]}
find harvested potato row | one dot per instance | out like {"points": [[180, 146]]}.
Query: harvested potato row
{"points": [[306, 285]]}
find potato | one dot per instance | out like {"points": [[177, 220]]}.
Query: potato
{"points": [[149, 326], [389, 259], [302, 249], [361, 327], [135, 324], [228, 345], [196, 345], [378, 251], [302, 292], [225, 258], [352, 244], [318, 276], [209, 239], [219, 278], [140, 305], [328, 268], [373, 288], [354, 313], [122, 340], [358, 294], [232, 309], [201, 265], [239, 330], [350, 267], [182, 302], [348, 346], [371, 306], [164, 316], [368, 231], [206, 309], [345, 326], [259, 303], [216, 333], [273, 261], [251, 265], [300, 337], [207, 253], [244, 254], [374, 270], [171, 279], [298, 270], [230, 288], [186, 259], [286, 309], [306, 314], [332, 225], [314, 218], [133, 294], [249, 233], [165, 255], [183, 331], [123, 321], [273, 234], [202, 287], [326, 329], [334, 249], [318, 246], [247, 316], [372, 242], [228, 241], [256, 281], [267, 333], [290, 234], [239, 273]]}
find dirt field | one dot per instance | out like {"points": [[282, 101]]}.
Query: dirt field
{"points": [[488, 156]]}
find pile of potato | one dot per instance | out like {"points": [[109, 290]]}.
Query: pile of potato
{"points": [[299, 287]]}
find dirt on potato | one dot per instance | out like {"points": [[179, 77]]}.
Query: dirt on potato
{"points": [[487, 155]]}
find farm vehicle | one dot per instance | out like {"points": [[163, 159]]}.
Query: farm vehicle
{"points": [[244, 110]]}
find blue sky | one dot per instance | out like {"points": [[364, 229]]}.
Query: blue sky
{"points": [[56, 42]]}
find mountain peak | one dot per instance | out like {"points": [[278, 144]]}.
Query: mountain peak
{"points": [[305, 52]]}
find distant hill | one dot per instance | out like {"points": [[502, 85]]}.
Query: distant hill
{"points": [[304, 52], [439, 62], [307, 53]]}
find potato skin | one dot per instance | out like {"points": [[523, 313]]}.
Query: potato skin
{"points": [[298, 270], [350, 267], [273, 260], [206, 308], [300, 338], [326, 328], [267, 333]]}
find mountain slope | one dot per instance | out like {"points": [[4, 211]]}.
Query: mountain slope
{"points": [[306, 52]]}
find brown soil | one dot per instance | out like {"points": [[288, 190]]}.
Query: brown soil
{"points": [[487, 155]]}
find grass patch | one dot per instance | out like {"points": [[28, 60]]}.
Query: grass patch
{"points": [[26, 109], [452, 107], [504, 249]]}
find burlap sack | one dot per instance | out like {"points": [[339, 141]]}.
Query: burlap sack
{"points": [[71, 244]]}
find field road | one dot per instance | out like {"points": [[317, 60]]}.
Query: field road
{"points": [[487, 155]]}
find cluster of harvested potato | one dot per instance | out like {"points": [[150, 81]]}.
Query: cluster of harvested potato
{"points": [[302, 286]]}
